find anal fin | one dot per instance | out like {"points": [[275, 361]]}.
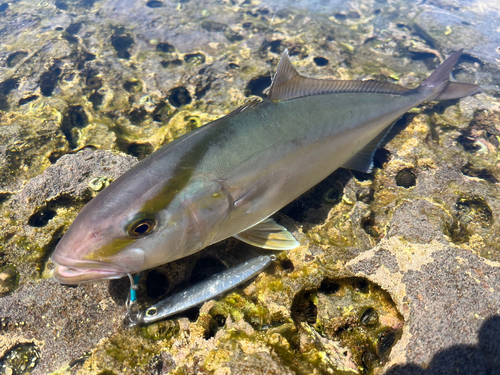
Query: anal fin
{"points": [[362, 161], [268, 235]]}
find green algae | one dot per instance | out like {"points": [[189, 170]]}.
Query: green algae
{"points": [[33, 254], [238, 307], [163, 330], [128, 352], [9, 279], [21, 359], [99, 183]]}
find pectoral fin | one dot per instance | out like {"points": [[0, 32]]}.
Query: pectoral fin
{"points": [[262, 193], [268, 235]]}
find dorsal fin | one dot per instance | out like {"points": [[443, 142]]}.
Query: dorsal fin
{"points": [[288, 84], [285, 72], [249, 104]]}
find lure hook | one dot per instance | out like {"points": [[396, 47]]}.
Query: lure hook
{"points": [[130, 319]]}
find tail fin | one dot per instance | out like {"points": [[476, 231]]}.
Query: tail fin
{"points": [[441, 88]]}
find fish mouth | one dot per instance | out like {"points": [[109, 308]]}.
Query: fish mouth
{"points": [[77, 271], [79, 275]]}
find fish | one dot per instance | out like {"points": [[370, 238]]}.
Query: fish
{"points": [[200, 292], [228, 177]]}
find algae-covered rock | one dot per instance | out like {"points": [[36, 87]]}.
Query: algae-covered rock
{"points": [[33, 220], [9, 279], [397, 270]]}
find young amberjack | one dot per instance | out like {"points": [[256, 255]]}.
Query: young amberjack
{"points": [[227, 177]]}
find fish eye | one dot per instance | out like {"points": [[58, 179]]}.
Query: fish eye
{"points": [[141, 227]]}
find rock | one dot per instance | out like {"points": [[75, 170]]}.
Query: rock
{"points": [[419, 221], [451, 27], [448, 297], [34, 219], [8, 280], [62, 323]]}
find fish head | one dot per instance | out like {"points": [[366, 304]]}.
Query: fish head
{"points": [[100, 243], [139, 223]]}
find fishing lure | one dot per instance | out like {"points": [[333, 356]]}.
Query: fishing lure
{"points": [[195, 295]]}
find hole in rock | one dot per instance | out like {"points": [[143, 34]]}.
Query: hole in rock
{"points": [[156, 284], [320, 61], [204, 268], [406, 178], [179, 96], [257, 85]]}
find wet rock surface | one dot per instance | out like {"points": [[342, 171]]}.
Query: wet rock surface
{"points": [[36, 218], [449, 300], [63, 323], [397, 271]]}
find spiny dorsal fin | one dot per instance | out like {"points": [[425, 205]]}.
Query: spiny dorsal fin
{"points": [[285, 72], [249, 104], [288, 84]]}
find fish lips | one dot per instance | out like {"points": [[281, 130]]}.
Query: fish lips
{"points": [[75, 271]]}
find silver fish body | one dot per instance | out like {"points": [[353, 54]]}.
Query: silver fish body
{"points": [[225, 178]]}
